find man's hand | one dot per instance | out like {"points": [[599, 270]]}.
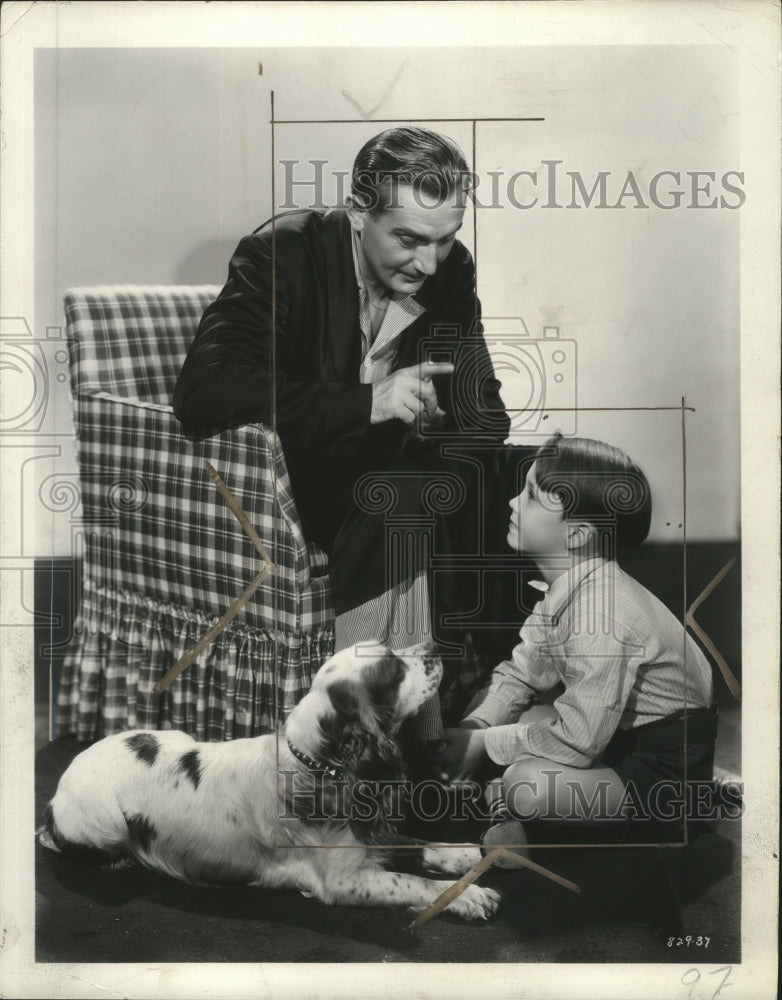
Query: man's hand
{"points": [[406, 394], [429, 423], [461, 754]]}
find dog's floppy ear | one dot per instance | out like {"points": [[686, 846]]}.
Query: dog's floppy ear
{"points": [[373, 770], [372, 764], [343, 730], [358, 736], [344, 699], [382, 680]]}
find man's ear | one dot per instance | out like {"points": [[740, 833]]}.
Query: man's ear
{"points": [[355, 212], [580, 535]]}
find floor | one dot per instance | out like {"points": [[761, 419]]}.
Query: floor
{"points": [[632, 901], [634, 905]]}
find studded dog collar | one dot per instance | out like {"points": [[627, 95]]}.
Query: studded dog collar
{"points": [[332, 770]]}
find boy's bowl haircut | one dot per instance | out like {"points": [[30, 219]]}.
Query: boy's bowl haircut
{"points": [[599, 484]]}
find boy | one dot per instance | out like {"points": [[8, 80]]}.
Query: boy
{"points": [[616, 738]]}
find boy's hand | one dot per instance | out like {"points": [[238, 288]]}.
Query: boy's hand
{"points": [[462, 754]]}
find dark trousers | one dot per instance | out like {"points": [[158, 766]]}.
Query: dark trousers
{"points": [[655, 760], [441, 508]]}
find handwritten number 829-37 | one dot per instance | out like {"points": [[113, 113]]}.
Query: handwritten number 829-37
{"points": [[686, 942]]}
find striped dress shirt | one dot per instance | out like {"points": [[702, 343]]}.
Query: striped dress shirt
{"points": [[624, 660], [379, 354]]}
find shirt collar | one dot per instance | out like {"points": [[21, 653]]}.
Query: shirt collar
{"points": [[564, 588]]}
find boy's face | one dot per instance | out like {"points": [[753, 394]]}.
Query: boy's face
{"points": [[537, 524]]}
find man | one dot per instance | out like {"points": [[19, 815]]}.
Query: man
{"points": [[356, 333]]}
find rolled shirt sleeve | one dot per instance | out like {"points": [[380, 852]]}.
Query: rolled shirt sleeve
{"points": [[599, 675], [618, 653], [515, 684], [561, 643]]}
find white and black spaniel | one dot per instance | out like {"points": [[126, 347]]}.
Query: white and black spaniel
{"points": [[310, 811]]}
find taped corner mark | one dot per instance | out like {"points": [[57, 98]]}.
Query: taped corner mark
{"points": [[455, 890], [689, 618], [240, 601]]}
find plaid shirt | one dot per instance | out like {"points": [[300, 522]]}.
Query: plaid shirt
{"points": [[623, 658]]}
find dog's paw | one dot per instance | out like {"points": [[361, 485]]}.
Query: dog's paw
{"points": [[475, 903], [451, 860]]}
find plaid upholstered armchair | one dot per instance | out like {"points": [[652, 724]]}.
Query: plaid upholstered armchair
{"points": [[163, 556]]}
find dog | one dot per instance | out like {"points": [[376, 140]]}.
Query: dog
{"points": [[308, 811]]}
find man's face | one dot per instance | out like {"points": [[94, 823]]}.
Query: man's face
{"points": [[403, 245], [537, 523]]}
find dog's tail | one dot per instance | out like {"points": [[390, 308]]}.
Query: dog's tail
{"points": [[48, 833], [51, 836]]}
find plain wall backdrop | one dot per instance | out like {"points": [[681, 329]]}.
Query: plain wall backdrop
{"points": [[152, 163]]}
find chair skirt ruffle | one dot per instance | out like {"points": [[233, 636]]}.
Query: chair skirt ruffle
{"points": [[242, 685]]}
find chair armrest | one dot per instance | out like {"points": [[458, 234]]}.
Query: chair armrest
{"points": [[139, 404], [267, 447], [164, 529]]}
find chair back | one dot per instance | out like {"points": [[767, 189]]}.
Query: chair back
{"points": [[130, 340]]}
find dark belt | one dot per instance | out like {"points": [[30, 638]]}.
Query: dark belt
{"points": [[668, 734]]}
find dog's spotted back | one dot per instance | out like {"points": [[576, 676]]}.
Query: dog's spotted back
{"points": [[211, 813]]}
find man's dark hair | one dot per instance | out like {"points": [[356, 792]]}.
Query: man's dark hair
{"points": [[429, 163], [599, 484]]}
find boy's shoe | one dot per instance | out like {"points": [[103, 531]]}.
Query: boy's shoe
{"points": [[510, 833], [506, 831]]}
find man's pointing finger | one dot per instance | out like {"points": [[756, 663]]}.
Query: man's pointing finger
{"points": [[429, 368]]}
